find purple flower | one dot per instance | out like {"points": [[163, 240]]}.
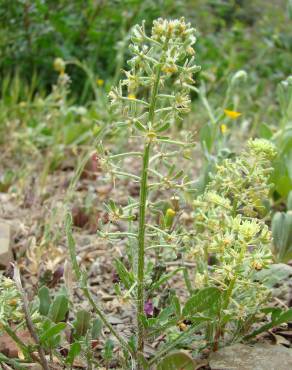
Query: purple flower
{"points": [[148, 308], [115, 277]]}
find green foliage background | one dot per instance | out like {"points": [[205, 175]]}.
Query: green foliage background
{"points": [[236, 33], [233, 35]]}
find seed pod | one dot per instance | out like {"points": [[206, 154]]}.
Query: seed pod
{"points": [[175, 202], [169, 217]]}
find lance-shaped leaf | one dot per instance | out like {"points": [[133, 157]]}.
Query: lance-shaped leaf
{"points": [[126, 277], [82, 323], [45, 300], [59, 308], [51, 332], [96, 329], [74, 351], [278, 317], [206, 300]]}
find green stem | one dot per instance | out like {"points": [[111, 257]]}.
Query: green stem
{"points": [[220, 328], [141, 249], [226, 301], [142, 225], [229, 293], [15, 364], [188, 281], [205, 102]]}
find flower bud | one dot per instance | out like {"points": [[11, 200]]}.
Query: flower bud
{"points": [[239, 76], [169, 217], [59, 65]]}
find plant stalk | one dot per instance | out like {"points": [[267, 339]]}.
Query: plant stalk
{"points": [[141, 249], [142, 224]]}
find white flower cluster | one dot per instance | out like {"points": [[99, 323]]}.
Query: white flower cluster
{"points": [[228, 229], [166, 56]]}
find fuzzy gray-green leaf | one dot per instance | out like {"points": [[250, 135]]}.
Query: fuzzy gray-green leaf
{"points": [[81, 323], [59, 308], [205, 300], [45, 300]]}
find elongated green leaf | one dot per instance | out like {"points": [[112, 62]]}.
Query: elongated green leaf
{"points": [[286, 316], [165, 313], [45, 300], [139, 126], [205, 300], [178, 175], [74, 351], [52, 331], [206, 137], [176, 304], [164, 279], [96, 329], [163, 127], [126, 277], [59, 308], [108, 350], [277, 319], [82, 323]]}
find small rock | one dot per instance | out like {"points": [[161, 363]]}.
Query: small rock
{"points": [[6, 255], [244, 357], [114, 320]]}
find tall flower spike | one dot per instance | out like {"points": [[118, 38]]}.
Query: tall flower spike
{"points": [[169, 49], [153, 94]]}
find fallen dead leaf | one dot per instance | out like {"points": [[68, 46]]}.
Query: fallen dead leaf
{"points": [[9, 348]]}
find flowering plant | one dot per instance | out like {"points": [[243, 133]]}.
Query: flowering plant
{"points": [[228, 241], [229, 229], [152, 97]]}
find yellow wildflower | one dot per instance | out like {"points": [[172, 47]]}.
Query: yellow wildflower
{"points": [[169, 68], [223, 128], [132, 96], [12, 302], [257, 265], [182, 326], [151, 135], [190, 51], [232, 114], [100, 82]]}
